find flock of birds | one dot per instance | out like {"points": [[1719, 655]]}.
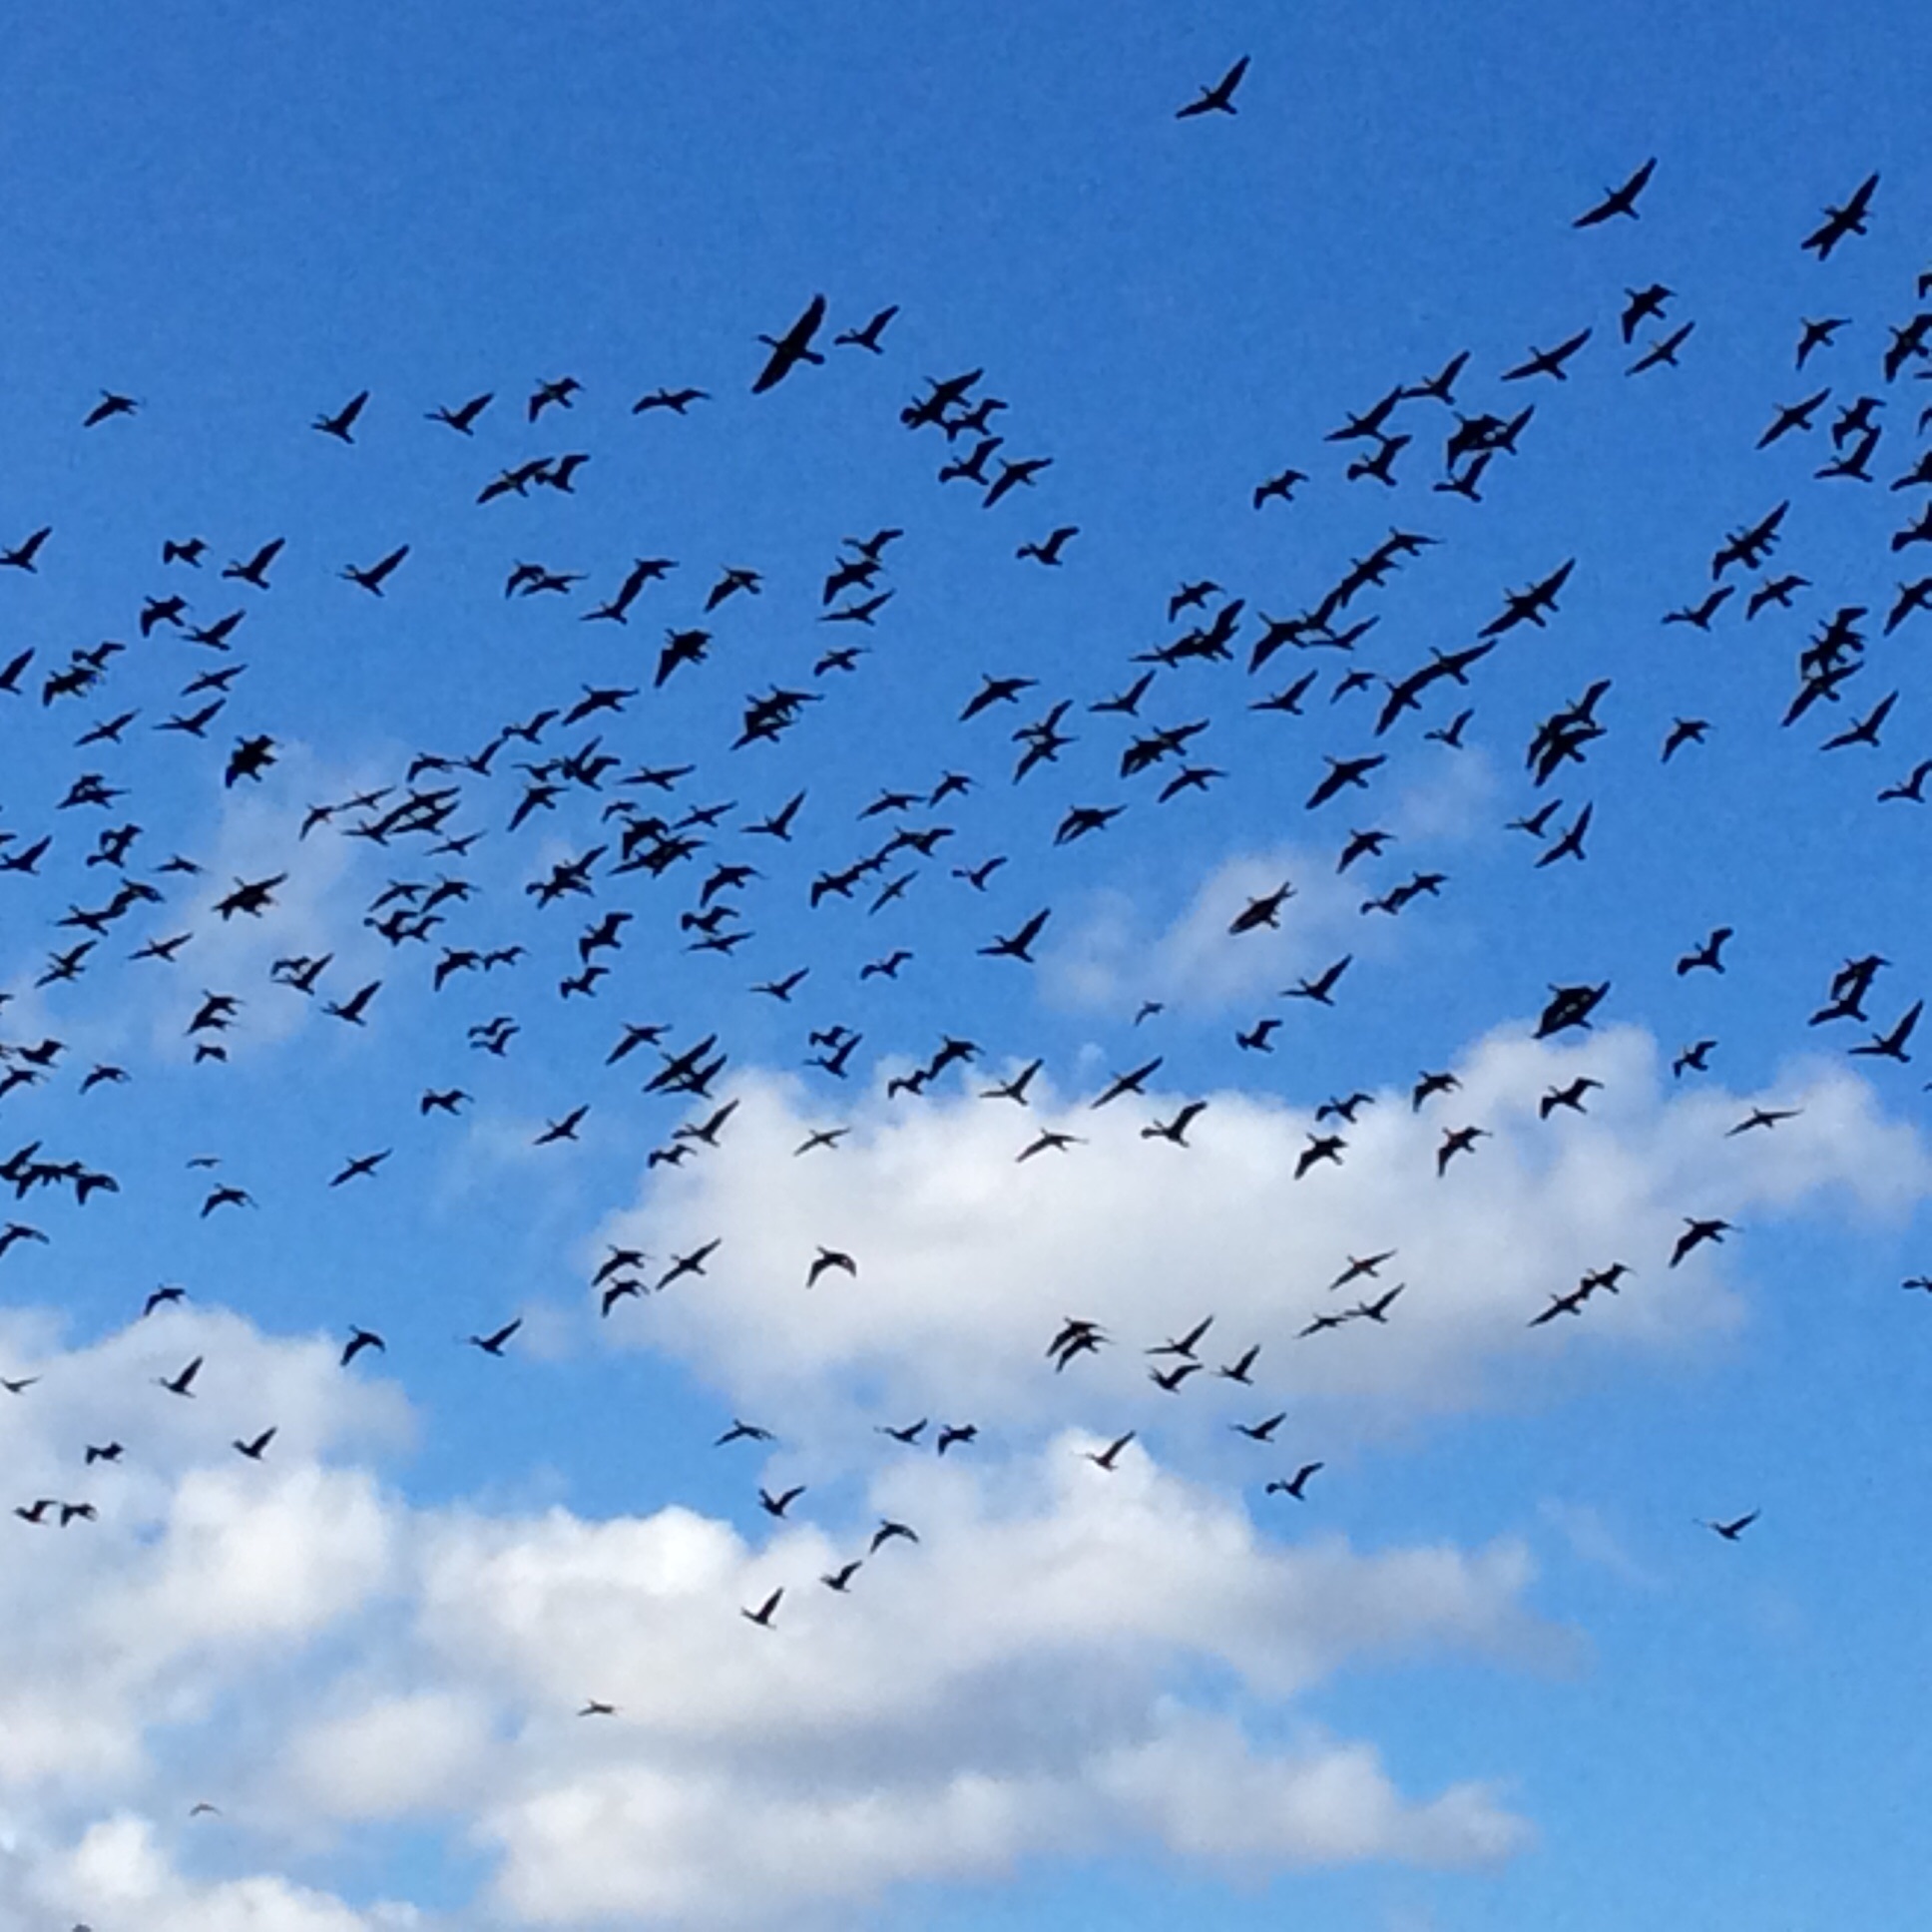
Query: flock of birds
{"points": [[648, 855]]}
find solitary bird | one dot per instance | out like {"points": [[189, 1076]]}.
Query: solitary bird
{"points": [[1219, 99]]}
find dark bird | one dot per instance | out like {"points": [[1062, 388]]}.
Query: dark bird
{"points": [[493, 1343], [1048, 551], [1134, 1082], [1219, 99], [1294, 1485], [1683, 732], [21, 556], [1175, 1130], [1737, 1525], [183, 1382], [1262, 911], [342, 421], [1570, 1096], [1842, 222], [110, 405], [1550, 361], [1696, 1234], [1817, 335], [1794, 416], [359, 1340], [1891, 1045], [868, 336], [1341, 774], [763, 1613], [255, 1446], [1015, 945], [373, 576], [1642, 305], [829, 1259], [790, 348], [1664, 351], [462, 420], [1707, 956], [1699, 616], [1618, 201]]}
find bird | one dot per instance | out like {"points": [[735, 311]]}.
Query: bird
{"points": [[1730, 1531], [791, 348], [1695, 1234], [1218, 99], [827, 1261], [1295, 1484], [1842, 222], [341, 422], [182, 1380], [1620, 200], [493, 1343]]}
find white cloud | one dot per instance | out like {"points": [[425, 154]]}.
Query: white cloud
{"points": [[299, 1644], [969, 1260], [1004, 1686]]}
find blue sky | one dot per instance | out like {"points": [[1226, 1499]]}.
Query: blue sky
{"points": [[1491, 1668]]}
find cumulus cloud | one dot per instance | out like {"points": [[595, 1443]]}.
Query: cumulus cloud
{"points": [[1009, 1683], [1025, 1676], [968, 1258]]}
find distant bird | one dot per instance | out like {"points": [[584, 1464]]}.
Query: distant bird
{"points": [[827, 1261], [791, 348], [1219, 99], [1734, 1529], [1842, 222], [360, 1339], [1618, 201], [181, 1382], [342, 421], [868, 336], [1696, 1234], [1295, 1484]]}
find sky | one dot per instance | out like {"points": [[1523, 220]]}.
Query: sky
{"points": [[489, 1639]]}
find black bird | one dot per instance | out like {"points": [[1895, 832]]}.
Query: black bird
{"points": [[791, 348], [182, 1384], [1737, 1525], [1134, 1082], [1696, 1234], [1707, 956], [342, 421], [1219, 99], [1549, 362], [868, 336], [1294, 1484], [1839, 223], [1618, 201]]}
